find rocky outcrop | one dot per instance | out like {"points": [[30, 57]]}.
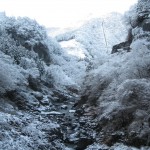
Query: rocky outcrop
{"points": [[142, 20], [125, 46], [121, 46], [43, 52], [146, 25]]}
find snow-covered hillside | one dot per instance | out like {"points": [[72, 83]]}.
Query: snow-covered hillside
{"points": [[91, 44], [98, 35]]}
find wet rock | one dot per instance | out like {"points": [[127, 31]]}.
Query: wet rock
{"points": [[38, 95], [22, 99], [64, 107], [75, 126], [124, 45], [34, 83], [56, 100], [73, 138], [73, 89], [79, 112], [146, 25], [7, 106], [139, 133], [45, 101], [43, 52], [83, 143], [93, 125], [82, 122], [52, 113], [72, 111], [47, 108]]}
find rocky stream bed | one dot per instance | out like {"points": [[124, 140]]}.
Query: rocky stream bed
{"points": [[57, 123], [75, 131]]}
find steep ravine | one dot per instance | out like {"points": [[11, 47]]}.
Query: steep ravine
{"points": [[76, 98]]}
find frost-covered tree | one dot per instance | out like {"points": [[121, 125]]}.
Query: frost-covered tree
{"points": [[143, 7], [131, 17], [29, 34], [25, 30]]}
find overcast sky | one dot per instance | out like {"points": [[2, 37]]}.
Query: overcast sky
{"points": [[62, 13]]}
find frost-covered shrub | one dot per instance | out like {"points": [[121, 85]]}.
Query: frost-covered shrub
{"points": [[28, 45], [19, 54], [97, 82], [138, 33], [58, 77], [26, 132], [27, 63], [54, 47], [9, 46], [138, 64], [143, 7], [25, 30], [66, 36], [10, 76], [134, 92], [101, 84], [29, 34], [41, 67], [131, 17]]}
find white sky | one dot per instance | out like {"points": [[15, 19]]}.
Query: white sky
{"points": [[62, 13]]}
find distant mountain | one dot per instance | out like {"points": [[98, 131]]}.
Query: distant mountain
{"points": [[98, 35]]}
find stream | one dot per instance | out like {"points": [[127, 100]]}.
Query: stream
{"points": [[73, 125]]}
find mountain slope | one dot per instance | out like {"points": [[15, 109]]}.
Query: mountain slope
{"points": [[98, 35], [117, 91]]}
